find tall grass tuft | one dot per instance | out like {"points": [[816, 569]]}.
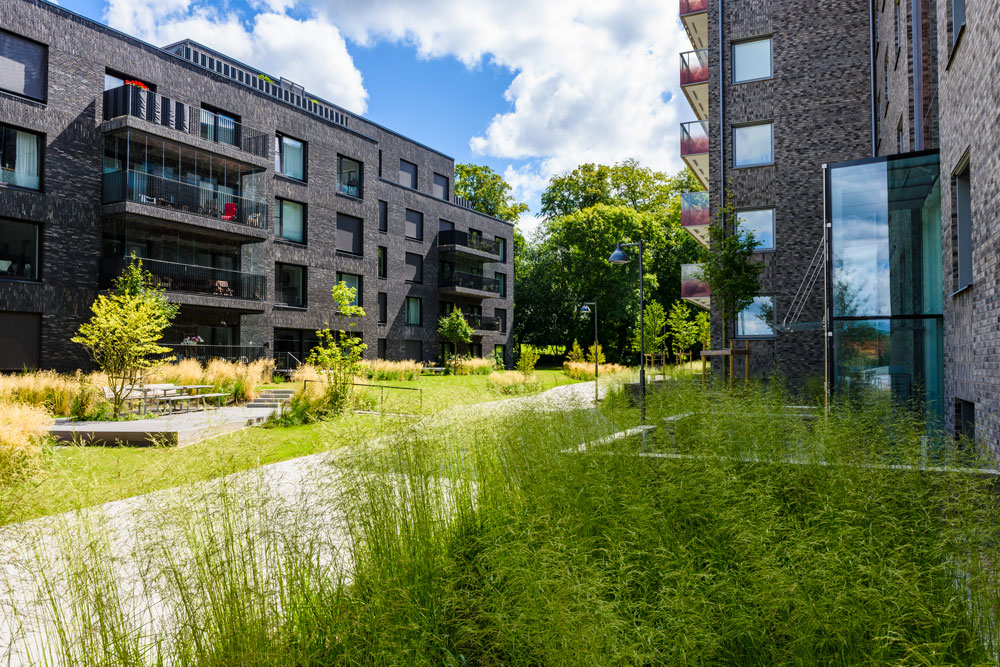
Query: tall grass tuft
{"points": [[473, 366], [581, 370], [513, 382], [23, 429], [61, 395], [382, 369]]}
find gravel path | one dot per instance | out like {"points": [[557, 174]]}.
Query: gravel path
{"points": [[122, 538]]}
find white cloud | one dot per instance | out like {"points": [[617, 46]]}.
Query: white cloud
{"points": [[309, 51]]}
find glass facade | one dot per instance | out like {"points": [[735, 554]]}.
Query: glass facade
{"points": [[886, 282]]}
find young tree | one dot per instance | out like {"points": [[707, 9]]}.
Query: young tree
{"points": [[487, 192], [575, 353], [454, 329], [654, 330], [703, 323], [729, 270], [123, 334], [338, 352], [683, 330], [597, 351]]}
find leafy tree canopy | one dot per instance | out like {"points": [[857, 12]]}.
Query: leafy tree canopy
{"points": [[487, 192]]}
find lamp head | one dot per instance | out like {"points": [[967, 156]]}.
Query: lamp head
{"points": [[584, 309], [619, 256]]}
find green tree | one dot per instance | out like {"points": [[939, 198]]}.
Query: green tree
{"points": [[576, 352], [595, 354], [654, 329], [487, 192], [729, 270], [703, 322], [338, 353], [683, 330], [454, 329], [526, 361], [123, 334]]}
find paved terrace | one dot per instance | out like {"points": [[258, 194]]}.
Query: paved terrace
{"points": [[182, 428]]}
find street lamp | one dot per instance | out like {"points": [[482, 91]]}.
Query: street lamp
{"points": [[585, 310], [618, 257]]}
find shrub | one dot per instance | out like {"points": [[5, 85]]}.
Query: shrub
{"points": [[585, 371], [23, 429], [513, 382], [381, 369], [526, 363], [576, 352], [305, 373], [473, 366], [61, 395]]}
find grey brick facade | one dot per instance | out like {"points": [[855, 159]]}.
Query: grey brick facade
{"points": [[71, 216]]}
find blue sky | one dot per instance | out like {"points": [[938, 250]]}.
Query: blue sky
{"points": [[530, 89]]}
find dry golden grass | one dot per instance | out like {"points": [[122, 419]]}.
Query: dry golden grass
{"points": [[240, 379], [382, 369], [581, 370], [474, 366], [512, 382], [23, 428], [185, 371], [305, 373], [60, 395]]}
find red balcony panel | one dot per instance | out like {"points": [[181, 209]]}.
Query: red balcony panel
{"points": [[692, 6], [692, 286], [694, 209], [694, 137], [694, 67]]}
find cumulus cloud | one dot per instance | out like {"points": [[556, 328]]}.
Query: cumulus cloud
{"points": [[310, 50]]}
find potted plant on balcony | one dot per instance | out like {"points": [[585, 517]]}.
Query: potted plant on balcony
{"points": [[192, 340], [136, 83]]}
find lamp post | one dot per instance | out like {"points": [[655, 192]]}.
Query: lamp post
{"points": [[618, 257], [584, 310]]}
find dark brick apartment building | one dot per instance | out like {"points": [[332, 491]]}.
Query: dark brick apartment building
{"points": [[859, 141], [246, 197]]}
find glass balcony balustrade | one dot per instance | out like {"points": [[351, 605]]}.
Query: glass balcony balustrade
{"points": [[455, 237], [177, 277], [694, 67], [694, 137], [692, 6], [693, 287], [471, 281], [695, 217]]}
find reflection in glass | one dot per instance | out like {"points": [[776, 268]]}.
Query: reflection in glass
{"points": [[757, 319], [18, 250], [752, 60], [761, 223], [752, 145]]}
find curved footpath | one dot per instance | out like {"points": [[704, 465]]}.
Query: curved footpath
{"points": [[121, 539]]}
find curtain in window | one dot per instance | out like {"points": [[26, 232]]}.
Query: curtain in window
{"points": [[26, 165], [291, 221], [292, 155], [412, 311]]}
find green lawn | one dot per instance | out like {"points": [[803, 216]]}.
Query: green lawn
{"points": [[71, 477]]}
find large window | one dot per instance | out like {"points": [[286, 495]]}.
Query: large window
{"points": [[383, 307], [502, 245], [957, 19], [355, 281], [19, 250], [752, 60], [757, 319], [761, 223], [290, 157], [414, 225], [349, 234], [23, 66], [413, 311], [502, 282], [290, 220], [20, 158], [290, 285], [501, 315], [440, 187], [414, 270], [407, 174], [350, 176], [963, 229], [753, 145], [383, 262], [383, 216]]}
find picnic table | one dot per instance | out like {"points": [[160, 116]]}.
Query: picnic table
{"points": [[165, 396]]}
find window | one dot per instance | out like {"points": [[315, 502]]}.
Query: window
{"points": [[475, 350], [957, 19], [498, 352], [414, 271], [752, 60], [380, 163], [350, 176], [753, 145], [757, 320], [216, 125], [440, 187], [414, 225], [502, 282], [413, 311], [899, 135], [349, 234], [290, 157], [445, 225], [383, 262], [761, 223], [407, 174], [965, 420], [20, 158], [502, 245], [355, 281], [383, 307], [383, 216], [290, 285], [501, 316], [290, 220], [19, 243], [899, 24], [413, 349], [20, 341], [963, 229], [23, 66], [380, 353]]}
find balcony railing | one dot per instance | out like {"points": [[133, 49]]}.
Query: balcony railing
{"points": [[694, 137], [244, 353], [692, 6], [694, 209], [692, 285], [470, 281], [152, 190], [464, 239], [129, 100], [482, 322], [694, 67], [175, 277]]}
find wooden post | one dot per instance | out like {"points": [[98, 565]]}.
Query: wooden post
{"points": [[730, 366], [746, 365], [703, 372]]}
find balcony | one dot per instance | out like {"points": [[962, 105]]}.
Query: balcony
{"points": [[178, 196], [239, 353], [694, 148], [694, 16], [469, 244], [189, 279], [129, 100], [695, 215], [469, 284], [482, 322], [694, 81], [693, 288]]}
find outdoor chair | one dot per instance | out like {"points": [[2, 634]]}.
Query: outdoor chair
{"points": [[222, 288], [229, 211]]}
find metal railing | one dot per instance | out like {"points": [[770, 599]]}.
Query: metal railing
{"points": [[153, 190], [694, 67], [474, 241], [201, 352], [286, 361], [470, 281], [482, 322], [694, 137], [129, 100], [176, 277], [694, 209], [692, 6]]}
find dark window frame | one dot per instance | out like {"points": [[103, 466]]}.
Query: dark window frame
{"points": [[446, 188], [361, 176], [304, 288], [279, 220], [407, 222], [420, 311], [414, 178], [44, 69], [963, 274], [38, 275], [419, 280], [741, 126], [750, 40], [501, 278], [359, 239], [382, 316], [382, 257], [359, 299], [40, 136], [279, 158], [383, 216]]}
